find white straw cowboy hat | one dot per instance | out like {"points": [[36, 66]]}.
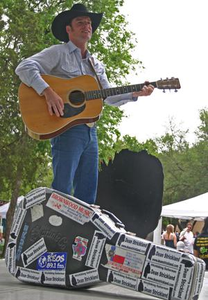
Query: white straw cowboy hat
{"points": [[64, 18]]}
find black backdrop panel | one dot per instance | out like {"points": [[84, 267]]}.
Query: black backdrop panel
{"points": [[131, 187]]}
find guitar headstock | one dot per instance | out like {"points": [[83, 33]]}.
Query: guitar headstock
{"points": [[168, 84]]}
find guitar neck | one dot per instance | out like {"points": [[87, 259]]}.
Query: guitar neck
{"points": [[104, 93]]}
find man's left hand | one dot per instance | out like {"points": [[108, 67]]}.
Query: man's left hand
{"points": [[146, 91]]}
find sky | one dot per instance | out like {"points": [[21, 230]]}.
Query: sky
{"points": [[172, 42]]}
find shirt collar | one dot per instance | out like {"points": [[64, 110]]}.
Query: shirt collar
{"points": [[73, 48]]}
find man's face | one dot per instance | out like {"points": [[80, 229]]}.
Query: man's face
{"points": [[80, 29], [189, 227]]}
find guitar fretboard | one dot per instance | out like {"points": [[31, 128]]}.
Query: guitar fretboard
{"points": [[96, 94]]}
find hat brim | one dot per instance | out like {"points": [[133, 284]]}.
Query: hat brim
{"points": [[63, 19]]}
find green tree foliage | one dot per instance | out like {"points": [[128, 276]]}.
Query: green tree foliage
{"points": [[185, 166], [25, 29]]}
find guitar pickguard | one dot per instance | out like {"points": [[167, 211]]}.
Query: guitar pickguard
{"points": [[70, 111]]}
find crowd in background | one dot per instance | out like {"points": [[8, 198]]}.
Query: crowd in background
{"points": [[188, 242]]}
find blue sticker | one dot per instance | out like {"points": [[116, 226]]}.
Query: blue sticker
{"points": [[22, 241], [52, 261]]}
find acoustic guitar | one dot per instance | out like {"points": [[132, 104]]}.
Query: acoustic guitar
{"points": [[83, 102]]}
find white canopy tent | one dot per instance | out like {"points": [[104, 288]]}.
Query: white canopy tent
{"points": [[195, 208], [4, 208]]}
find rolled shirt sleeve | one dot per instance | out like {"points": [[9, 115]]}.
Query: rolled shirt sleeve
{"points": [[30, 69], [121, 99]]}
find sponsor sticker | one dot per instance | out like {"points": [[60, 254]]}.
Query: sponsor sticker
{"points": [[33, 252], [79, 247], [28, 275], [17, 223], [122, 260], [11, 257], [96, 250], [122, 280], [184, 281], [53, 277], [52, 261], [133, 243], [165, 256], [83, 278], [35, 196], [69, 208], [200, 269], [159, 273], [106, 225], [154, 289]]}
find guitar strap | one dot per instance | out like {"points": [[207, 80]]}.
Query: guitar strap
{"points": [[91, 61]]}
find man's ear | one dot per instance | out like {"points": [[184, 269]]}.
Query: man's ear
{"points": [[68, 28]]}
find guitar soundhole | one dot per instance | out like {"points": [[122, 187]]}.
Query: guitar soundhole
{"points": [[76, 98]]}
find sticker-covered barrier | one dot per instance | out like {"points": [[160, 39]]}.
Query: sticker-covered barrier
{"points": [[58, 240]]}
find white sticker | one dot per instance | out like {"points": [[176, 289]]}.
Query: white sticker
{"points": [[18, 220], [184, 281], [53, 277], [33, 252], [55, 220], [96, 250], [165, 256], [154, 289], [126, 261], [35, 196], [69, 208], [10, 257], [83, 278], [133, 243], [106, 225], [36, 212], [122, 280], [200, 269], [160, 274], [28, 275]]}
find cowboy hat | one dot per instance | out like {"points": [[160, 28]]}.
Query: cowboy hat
{"points": [[64, 18]]}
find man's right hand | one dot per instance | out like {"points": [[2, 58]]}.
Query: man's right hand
{"points": [[54, 102]]}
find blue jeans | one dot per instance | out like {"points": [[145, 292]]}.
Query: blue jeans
{"points": [[75, 162]]}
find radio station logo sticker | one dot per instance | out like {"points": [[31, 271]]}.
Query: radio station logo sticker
{"points": [[79, 247], [52, 261]]}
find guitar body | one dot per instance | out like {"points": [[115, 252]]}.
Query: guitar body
{"points": [[34, 110], [83, 102]]}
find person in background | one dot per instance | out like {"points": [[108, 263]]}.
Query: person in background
{"points": [[177, 235], [196, 234], [201, 244], [180, 246], [187, 237], [74, 152], [168, 237]]}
